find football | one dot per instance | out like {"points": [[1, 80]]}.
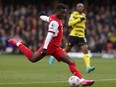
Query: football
{"points": [[74, 81]]}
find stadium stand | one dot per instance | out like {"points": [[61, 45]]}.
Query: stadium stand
{"points": [[21, 20]]}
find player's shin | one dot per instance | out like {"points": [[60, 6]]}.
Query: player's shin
{"points": [[74, 70], [87, 60], [27, 52]]}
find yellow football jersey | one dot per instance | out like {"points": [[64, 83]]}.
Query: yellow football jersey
{"points": [[78, 26]]}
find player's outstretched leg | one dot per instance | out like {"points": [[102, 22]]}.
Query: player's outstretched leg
{"points": [[27, 52], [76, 72], [51, 60], [65, 58]]}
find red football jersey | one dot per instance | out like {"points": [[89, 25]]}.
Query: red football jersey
{"points": [[56, 40], [53, 48]]}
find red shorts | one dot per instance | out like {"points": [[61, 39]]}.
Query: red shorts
{"points": [[57, 52]]}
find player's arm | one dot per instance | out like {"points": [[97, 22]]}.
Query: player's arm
{"points": [[44, 18], [53, 27], [73, 20]]}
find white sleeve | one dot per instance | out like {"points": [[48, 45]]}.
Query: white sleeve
{"points": [[47, 40], [53, 26], [44, 18]]}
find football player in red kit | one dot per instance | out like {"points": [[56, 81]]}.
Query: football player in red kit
{"points": [[51, 45]]}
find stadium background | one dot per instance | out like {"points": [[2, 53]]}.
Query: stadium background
{"points": [[20, 19]]}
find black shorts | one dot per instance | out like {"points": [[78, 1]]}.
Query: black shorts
{"points": [[72, 40]]}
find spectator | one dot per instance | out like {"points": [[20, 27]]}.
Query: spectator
{"points": [[22, 21]]}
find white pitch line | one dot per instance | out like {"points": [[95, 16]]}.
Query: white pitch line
{"points": [[51, 82], [106, 79], [36, 82]]}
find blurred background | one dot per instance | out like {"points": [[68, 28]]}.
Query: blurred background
{"points": [[20, 19]]}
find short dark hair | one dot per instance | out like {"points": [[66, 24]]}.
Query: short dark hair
{"points": [[60, 6]]}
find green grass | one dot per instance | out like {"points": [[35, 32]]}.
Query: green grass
{"points": [[17, 71]]}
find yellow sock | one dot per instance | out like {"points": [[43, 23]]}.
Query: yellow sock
{"points": [[87, 60]]}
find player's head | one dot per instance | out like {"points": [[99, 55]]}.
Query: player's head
{"points": [[80, 7], [61, 10]]}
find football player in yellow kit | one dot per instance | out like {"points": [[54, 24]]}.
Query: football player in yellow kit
{"points": [[77, 21]]}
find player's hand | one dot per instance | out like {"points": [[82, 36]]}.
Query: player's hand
{"points": [[42, 13], [44, 52], [82, 18]]}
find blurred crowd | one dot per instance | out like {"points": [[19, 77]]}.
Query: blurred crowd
{"points": [[23, 22]]}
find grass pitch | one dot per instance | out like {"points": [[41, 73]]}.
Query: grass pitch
{"points": [[17, 71]]}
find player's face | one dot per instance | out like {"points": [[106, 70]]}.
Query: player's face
{"points": [[80, 8], [61, 13]]}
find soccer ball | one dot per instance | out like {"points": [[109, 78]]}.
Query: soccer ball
{"points": [[74, 81]]}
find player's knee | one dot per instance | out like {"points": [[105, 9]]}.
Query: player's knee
{"points": [[33, 59], [85, 51], [71, 63], [67, 48]]}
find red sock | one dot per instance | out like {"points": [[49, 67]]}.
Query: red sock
{"points": [[74, 70], [27, 52]]}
